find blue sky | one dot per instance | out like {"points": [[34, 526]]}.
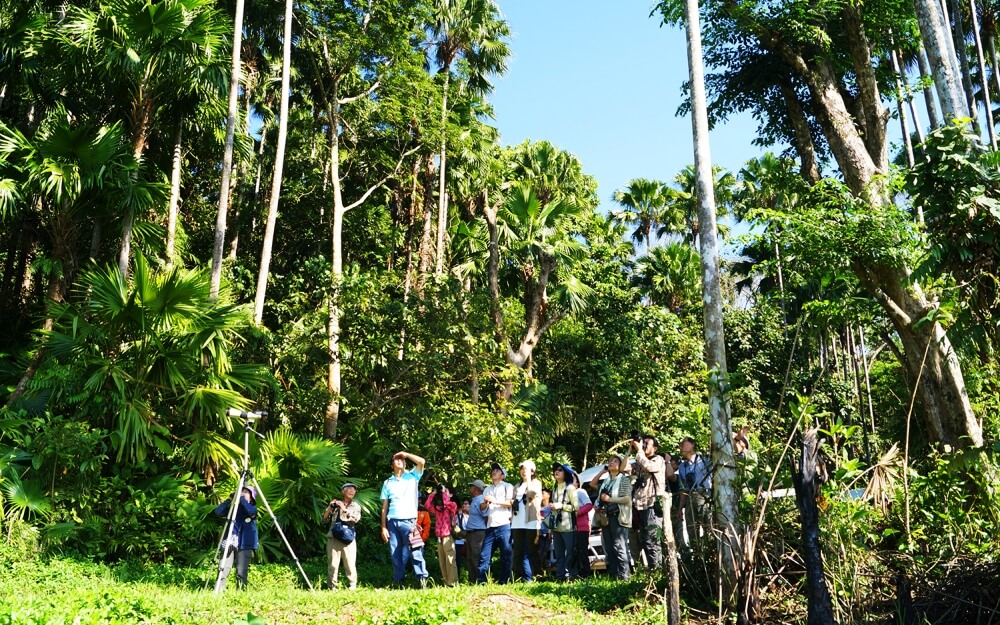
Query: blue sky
{"points": [[602, 80]]}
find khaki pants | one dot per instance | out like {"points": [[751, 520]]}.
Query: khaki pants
{"points": [[446, 558], [335, 551]]}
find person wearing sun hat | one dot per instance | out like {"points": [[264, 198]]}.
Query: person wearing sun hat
{"points": [[525, 523], [242, 540], [498, 498], [347, 512]]}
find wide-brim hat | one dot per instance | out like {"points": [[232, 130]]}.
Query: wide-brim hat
{"points": [[478, 484], [529, 465], [566, 469], [253, 493]]}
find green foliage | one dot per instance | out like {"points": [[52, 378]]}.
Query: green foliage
{"points": [[155, 351], [958, 188]]}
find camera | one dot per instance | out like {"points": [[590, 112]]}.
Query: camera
{"points": [[635, 435], [516, 504]]}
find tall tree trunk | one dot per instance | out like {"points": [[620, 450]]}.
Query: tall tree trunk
{"points": [[947, 411], [807, 483], [983, 80], [279, 163], [723, 461], [963, 57], [991, 46], [426, 239], [670, 568], [901, 110], [927, 79], [227, 155], [442, 223], [937, 41], [175, 194]]}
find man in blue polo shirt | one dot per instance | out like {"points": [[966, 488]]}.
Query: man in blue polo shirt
{"points": [[399, 515]]}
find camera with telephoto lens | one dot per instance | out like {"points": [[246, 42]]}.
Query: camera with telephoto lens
{"points": [[635, 435]]}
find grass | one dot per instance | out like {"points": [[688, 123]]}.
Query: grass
{"points": [[61, 590]]}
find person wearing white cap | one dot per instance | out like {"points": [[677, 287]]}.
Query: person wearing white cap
{"points": [[526, 523], [498, 498], [340, 543], [242, 540]]}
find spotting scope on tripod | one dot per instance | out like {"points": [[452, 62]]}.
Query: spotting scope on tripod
{"points": [[246, 477]]}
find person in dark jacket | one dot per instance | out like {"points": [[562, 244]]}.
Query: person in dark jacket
{"points": [[241, 542]]}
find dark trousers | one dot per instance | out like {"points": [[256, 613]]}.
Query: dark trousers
{"points": [[614, 538], [647, 526], [583, 554], [526, 561], [473, 549]]}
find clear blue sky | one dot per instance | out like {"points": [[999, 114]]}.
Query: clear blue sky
{"points": [[602, 80]]}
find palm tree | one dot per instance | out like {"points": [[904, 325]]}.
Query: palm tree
{"points": [[476, 31], [62, 173], [146, 52], [156, 348], [671, 276], [684, 208], [537, 239], [643, 203]]}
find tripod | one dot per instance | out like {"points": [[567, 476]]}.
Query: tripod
{"points": [[247, 476]]}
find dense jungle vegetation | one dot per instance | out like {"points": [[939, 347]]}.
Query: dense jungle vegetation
{"points": [[302, 208]]}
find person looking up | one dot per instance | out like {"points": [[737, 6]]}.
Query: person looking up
{"points": [[399, 516]]}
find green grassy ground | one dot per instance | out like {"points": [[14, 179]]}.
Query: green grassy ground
{"points": [[69, 591]]}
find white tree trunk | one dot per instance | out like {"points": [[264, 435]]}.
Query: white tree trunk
{"points": [[279, 163], [937, 40], [442, 230], [175, 194], [227, 155], [724, 478], [933, 115], [983, 80]]}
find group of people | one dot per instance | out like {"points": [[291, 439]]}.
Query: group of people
{"points": [[532, 529]]}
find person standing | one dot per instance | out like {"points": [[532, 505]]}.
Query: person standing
{"points": [[652, 473], [241, 542], [498, 498], [694, 474], [526, 522], [338, 549], [399, 516], [563, 525], [475, 530], [462, 519], [615, 500], [445, 513], [582, 540]]}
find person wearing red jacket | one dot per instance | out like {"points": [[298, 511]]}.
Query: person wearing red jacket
{"points": [[445, 512]]}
